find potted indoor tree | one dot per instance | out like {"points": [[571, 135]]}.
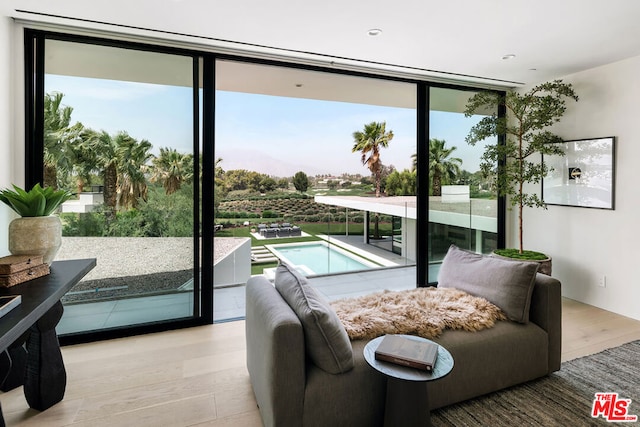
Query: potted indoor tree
{"points": [[37, 231], [522, 138]]}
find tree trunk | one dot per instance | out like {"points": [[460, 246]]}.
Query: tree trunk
{"points": [[110, 186], [50, 178], [520, 187], [437, 184], [79, 184], [520, 226]]}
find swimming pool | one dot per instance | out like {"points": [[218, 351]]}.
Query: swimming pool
{"points": [[320, 258]]}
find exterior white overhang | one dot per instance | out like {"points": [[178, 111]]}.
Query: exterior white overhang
{"points": [[401, 206], [405, 207]]}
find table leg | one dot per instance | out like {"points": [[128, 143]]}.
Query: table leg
{"points": [[5, 367], [46, 378], [18, 356], [407, 404]]}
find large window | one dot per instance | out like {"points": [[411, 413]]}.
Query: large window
{"points": [[118, 132], [194, 171], [463, 204], [289, 180]]}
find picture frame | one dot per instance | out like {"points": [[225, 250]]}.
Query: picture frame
{"points": [[584, 176]]}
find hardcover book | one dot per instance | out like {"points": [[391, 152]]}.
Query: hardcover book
{"points": [[408, 352], [12, 264], [24, 275]]}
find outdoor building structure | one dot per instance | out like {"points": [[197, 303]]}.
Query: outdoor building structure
{"points": [[453, 218], [402, 207], [587, 245]]}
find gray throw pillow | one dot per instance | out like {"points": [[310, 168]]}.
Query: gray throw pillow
{"points": [[326, 340], [507, 284]]}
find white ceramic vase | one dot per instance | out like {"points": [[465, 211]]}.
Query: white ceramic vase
{"points": [[40, 235]]}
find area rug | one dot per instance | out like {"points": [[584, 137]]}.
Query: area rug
{"points": [[425, 312], [564, 398]]}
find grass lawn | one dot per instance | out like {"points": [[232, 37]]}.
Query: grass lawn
{"points": [[312, 228], [257, 268]]}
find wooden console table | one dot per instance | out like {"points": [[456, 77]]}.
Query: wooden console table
{"points": [[38, 365]]}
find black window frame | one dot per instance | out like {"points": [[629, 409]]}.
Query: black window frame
{"points": [[34, 55]]}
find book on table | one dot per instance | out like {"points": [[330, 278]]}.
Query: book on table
{"points": [[409, 352]]}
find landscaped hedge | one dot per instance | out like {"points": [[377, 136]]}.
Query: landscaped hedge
{"points": [[293, 209]]}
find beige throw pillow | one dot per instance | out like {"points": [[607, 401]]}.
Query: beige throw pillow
{"points": [[507, 284], [326, 340]]}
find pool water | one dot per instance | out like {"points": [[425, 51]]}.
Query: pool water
{"points": [[320, 258]]}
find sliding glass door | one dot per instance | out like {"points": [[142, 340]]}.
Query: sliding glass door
{"points": [[463, 204], [296, 177], [194, 171], [119, 132]]}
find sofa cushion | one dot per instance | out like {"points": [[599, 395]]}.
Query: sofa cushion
{"points": [[507, 284], [326, 340]]}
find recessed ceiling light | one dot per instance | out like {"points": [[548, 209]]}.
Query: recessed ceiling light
{"points": [[509, 56], [298, 84], [374, 32]]}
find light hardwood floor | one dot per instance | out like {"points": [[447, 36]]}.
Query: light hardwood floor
{"points": [[197, 377]]}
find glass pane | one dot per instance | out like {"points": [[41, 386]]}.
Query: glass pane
{"points": [[462, 200], [290, 185], [119, 134]]}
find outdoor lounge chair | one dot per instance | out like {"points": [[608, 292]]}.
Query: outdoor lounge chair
{"points": [[284, 232], [295, 231], [270, 233]]}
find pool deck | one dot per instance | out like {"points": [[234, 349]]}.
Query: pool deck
{"points": [[229, 302]]}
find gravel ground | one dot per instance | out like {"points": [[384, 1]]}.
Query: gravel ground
{"points": [[128, 266]]}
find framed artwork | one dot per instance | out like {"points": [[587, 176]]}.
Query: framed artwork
{"points": [[584, 176]]}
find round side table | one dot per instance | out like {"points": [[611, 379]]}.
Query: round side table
{"points": [[407, 402]]}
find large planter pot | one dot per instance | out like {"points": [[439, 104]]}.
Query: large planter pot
{"points": [[40, 235], [544, 264]]}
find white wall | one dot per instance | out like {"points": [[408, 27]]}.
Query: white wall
{"points": [[588, 243], [6, 128]]}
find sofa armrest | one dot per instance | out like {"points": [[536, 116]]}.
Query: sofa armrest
{"points": [[275, 354], [546, 312]]}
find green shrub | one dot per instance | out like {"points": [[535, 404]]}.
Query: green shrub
{"points": [[526, 255], [270, 214], [90, 224]]}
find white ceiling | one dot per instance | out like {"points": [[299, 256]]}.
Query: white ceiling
{"points": [[460, 39]]}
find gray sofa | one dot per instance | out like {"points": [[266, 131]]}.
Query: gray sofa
{"points": [[292, 391]]}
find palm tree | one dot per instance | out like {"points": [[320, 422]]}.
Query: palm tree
{"points": [[133, 157], [81, 152], [369, 143], [107, 159], [56, 126], [219, 172], [441, 166], [172, 169]]}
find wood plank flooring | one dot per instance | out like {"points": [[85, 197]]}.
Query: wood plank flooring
{"points": [[197, 377]]}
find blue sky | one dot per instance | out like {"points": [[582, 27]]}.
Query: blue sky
{"points": [[273, 135]]}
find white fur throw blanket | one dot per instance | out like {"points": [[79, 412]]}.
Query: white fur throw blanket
{"points": [[425, 312]]}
